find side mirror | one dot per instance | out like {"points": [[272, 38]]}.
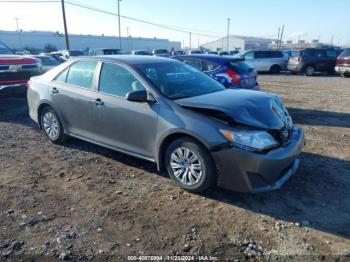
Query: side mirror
{"points": [[140, 96]]}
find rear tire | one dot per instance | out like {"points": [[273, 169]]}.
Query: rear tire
{"points": [[52, 126], [309, 71], [275, 69], [190, 165]]}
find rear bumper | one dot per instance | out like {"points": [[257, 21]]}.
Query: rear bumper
{"points": [[296, 68], [244, 171], [342, 69]]}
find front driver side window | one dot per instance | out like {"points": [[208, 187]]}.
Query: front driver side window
{"points": [[118, 81]]}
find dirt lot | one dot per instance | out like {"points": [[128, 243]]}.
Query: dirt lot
{"points": [[83, 202]]}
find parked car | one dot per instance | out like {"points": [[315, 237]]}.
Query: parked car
{"points": [[161, 52], [311, 60], [233, 52], [178, 52], [230, 72], [170, 113], [224, 53], [104, 51], [195, 52], [140, 52], [70, 53], [15, 71], [265, 61], [46, 62], [343, 63]]}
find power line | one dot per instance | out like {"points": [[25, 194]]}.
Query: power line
{"points": [[138, 20]]}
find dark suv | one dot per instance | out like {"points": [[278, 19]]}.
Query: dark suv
{"points": [[311, 60], [343, 63]]}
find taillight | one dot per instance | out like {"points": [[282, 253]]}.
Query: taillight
{"points": [[235, 78]]}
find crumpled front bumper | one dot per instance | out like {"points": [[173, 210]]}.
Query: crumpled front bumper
{"points": [[245, 171]]}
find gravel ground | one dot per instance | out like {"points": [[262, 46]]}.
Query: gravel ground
{"points": [[83, 202]]}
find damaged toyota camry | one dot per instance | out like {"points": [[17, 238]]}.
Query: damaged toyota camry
{"points": [[170, 113]]}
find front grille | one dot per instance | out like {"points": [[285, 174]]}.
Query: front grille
{"points": [[29, 66], [11, 76], [4, 67]]}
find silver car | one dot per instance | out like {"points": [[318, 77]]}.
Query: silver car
{"points": [[172, 114], [265, 61]]}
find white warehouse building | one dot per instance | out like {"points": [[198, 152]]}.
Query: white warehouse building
{"points": [[40, 39], [238, 43]]}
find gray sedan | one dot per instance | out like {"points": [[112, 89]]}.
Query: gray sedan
{"points": [[170, 113]]}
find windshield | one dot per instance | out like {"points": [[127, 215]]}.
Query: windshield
{"points": [[161, 51], [76, 53], [346, 52], [47, 61], [4, 50], [141, 53], [177, 80], [111, 51]]}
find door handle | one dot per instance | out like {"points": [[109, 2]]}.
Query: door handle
{"points": [[98, 102], [54, 90]]}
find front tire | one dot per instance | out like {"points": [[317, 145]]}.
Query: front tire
{"points": [[190, 165], [52, 126]]}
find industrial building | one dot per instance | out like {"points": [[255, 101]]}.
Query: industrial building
{"points": [[40, 39], [239, 43]]}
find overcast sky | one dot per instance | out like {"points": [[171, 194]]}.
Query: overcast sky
{"points": [[302, 18]]}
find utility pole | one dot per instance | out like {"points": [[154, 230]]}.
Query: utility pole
{"points": [[127, 34], [332, 40], [120, 37], [189, 46], [19, 34], [228, 32], [198, 43], [65, 25], [281, 36], [278, 37]]}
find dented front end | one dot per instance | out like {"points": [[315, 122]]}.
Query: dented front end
{"points": [[262, 143]]}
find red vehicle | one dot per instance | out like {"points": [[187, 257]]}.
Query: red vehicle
{"points": [[343, 63], [15, 71]]}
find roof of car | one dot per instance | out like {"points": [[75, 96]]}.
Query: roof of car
{"points": [[131, 59], [216, 58]]}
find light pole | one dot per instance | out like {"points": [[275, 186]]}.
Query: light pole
{"points": [[18, 34], [120, 37], [228, 32], [65, 25]]}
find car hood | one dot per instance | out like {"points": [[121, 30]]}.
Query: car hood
{"points": [[253, 108], [16, 60]]}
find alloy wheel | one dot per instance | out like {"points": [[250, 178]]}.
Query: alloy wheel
{"points": [[186, 166], [51, 125]]}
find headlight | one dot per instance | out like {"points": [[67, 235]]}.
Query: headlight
{"points": [[250, 140]]}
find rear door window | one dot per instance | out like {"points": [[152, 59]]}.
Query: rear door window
{"points": [[193, 62], [81, 74], [62, 77], [319, 53], [261, 54], [209, 66], [275, 54], [117, 80]]}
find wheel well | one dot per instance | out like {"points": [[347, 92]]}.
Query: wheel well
{"points": [[166, 142], [40, 109], [275, 66]]}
